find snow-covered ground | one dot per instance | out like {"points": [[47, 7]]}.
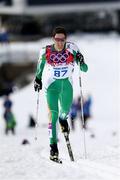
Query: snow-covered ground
{"points": [[103, 152]]}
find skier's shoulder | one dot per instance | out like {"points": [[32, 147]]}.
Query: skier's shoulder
{"points": [[72, 46], [42, 51], [48, 46], [45, 48]]}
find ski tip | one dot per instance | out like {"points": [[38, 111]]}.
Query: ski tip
{"points": [[59, 161]]}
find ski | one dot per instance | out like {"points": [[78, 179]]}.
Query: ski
{"points": [[56, 160], [68, 146]]}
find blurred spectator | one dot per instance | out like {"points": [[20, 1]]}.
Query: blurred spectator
{"points": [[10, 122], [73, 113], [3, 35], [76, 110], [87, 102]]}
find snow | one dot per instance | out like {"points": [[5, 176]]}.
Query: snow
{"points": [[103, 152]]}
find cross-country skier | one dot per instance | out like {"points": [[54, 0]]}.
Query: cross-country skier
{"points": [[59, 58]]}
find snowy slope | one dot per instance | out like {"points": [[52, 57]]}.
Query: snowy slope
{"points": [[103, 157]]}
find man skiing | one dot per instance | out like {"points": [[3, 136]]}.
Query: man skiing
{"points": [[59, 58]]}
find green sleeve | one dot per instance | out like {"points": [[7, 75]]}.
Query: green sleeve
{"points": [[76, 60], [83, 66], [41, 63]]}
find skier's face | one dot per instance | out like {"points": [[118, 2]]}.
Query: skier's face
{"points": [[59, 41]]}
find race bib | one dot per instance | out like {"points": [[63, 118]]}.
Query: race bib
{"points": [[61, 72]]}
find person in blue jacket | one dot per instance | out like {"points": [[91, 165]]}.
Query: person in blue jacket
{"points": [[75, 111], [73, 114], [87, 110], [9, 117]]}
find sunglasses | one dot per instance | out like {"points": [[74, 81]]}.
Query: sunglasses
{"points": [[59, 39]]}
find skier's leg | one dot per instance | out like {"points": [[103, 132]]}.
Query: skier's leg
{"points": [[66, 98], [52, 101]]}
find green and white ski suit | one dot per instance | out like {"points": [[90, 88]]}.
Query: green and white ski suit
{"points": [[58, 84]]}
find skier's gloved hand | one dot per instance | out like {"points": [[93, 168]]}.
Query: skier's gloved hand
{"points": [[37, 84], [83, 65]]}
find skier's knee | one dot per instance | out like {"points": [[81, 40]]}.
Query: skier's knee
{"points": [[54, 116], [63, 115]]}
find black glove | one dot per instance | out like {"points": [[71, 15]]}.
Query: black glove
{"points": [[80, 58], [37, 84], [83, 65]]}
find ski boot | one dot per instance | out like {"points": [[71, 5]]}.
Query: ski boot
{"points": [[54, 153], [64, 126]]}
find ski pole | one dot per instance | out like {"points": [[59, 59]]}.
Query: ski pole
{"points": [[36, 120], [82, 114]]}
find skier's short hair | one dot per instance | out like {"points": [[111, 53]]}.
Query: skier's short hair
{"points": [[58, 30]]}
